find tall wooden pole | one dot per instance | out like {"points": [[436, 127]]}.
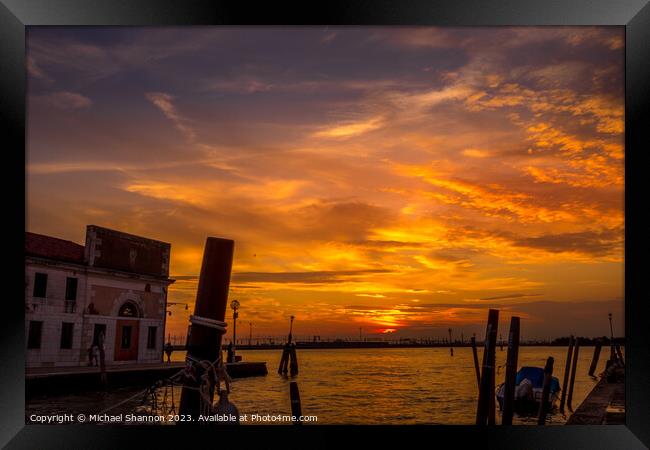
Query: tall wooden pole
{"points": [[594, 360], [204, 341], [573, 375], [612, 356], [486, 391], [511, 372], [296, 407], [567, 369], [290, 329], [476, 366], [546, 389]]}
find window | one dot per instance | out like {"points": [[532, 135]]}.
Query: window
{"points": [[35, 331], [100, 328], [151, 337], [71, 288], [126, 337], [67, 331], [128, 310], [40, 284]]}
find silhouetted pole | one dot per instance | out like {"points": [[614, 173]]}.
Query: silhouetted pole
{"points": [[290, 329], [476, 366], [511, 372], [486, 392], [293, 367], [284, 360], [250, 333], [296, 408], [451, 346], [573, 375], [567, 369], [234, 305], [548, 376], [612, 356], [207, 329], [594, 360], [102, 360], [287, 352]]}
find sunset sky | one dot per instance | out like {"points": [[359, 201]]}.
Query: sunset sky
{"points": [[400, 180]]}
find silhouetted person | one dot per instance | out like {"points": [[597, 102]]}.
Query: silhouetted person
{"points": [[168, 351], [231, 355]]}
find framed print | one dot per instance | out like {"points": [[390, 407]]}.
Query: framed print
{"points": [[289, 223]]}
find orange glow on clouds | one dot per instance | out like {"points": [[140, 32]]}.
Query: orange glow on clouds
{"points": [[438, 175]]}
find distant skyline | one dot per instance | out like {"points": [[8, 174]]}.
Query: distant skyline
{"points": [[399, 179]]}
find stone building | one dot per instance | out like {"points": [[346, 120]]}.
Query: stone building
{"points": [[114, 286]]}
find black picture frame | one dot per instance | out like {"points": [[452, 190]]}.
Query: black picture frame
{"points": [[634, 15]]}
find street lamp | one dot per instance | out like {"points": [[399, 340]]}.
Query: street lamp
{"points": [[234, 305]]}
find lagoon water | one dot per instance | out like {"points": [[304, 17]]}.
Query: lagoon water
{"points": [[396, 386]]}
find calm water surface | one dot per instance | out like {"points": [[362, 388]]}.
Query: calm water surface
{"points": [[362, 386]]}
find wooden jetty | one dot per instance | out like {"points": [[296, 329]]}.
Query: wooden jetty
{"points": [[605, 404], [61, 380]]}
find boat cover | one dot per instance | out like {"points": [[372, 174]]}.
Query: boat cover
{"points": [[536, 376]]}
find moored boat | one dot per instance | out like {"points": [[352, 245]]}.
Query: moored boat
{"points": [[529, 385]]}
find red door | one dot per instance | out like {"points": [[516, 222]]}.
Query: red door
{"points": [[126, 340]]}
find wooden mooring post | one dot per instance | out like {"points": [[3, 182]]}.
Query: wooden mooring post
{"points": [[208, 327], [567, 369], [284, 360], [573, 375], [289, 359], [293, 365], [476, 366], [511, 372], [546, 389], [296, 407], [485, 411], [594, 360]]}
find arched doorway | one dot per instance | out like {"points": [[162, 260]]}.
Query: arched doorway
{"points": [[127, 332], [128, 309]]}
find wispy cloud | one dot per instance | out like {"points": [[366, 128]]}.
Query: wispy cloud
{"points": [[350, 129], [66, 100], [164, 102]]}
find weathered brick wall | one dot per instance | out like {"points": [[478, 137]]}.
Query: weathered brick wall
{"points": [[121, 251]]}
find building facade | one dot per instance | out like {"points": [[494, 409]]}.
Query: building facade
{"points": [[112, 289]]}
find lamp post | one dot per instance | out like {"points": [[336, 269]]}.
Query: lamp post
{"points": [[291, 328], [234, 305], [611, 341]]}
